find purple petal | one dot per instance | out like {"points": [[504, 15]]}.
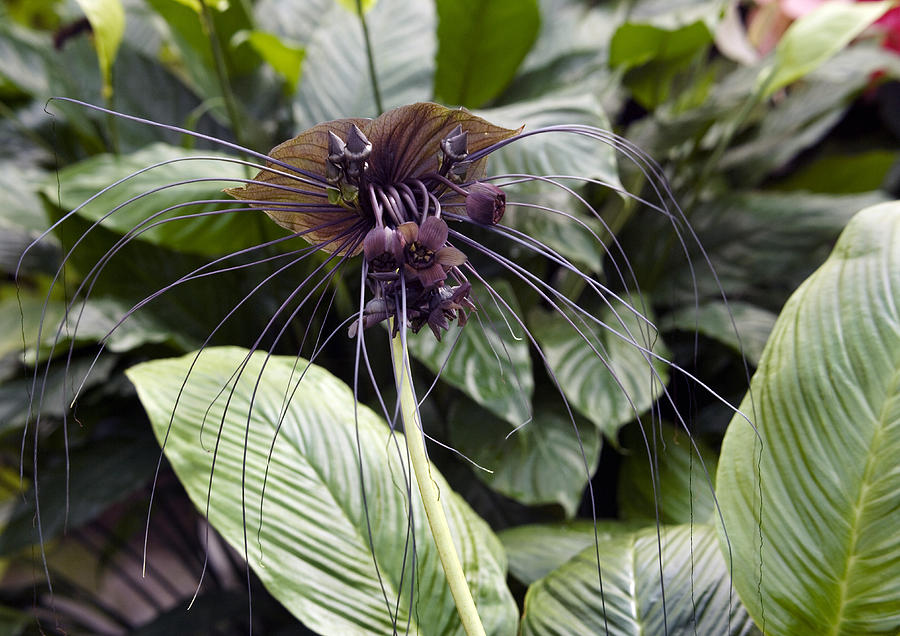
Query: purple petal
{"points": [[433, 233]]}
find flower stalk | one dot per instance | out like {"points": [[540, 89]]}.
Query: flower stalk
{"points": [[434, 510]]}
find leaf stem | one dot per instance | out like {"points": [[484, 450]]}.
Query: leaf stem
{"points": [[370, 56], [434, 510]]}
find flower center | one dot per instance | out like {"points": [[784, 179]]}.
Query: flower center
{"points": [[406, 247], [419, 256]]}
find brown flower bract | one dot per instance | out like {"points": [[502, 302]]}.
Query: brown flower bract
{"points": [[405, 144]]}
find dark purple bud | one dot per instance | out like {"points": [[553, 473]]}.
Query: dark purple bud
{"points": [[485, 203], [334, 167], [358, 146], [455, 145], [375, 311], [335, 148]]}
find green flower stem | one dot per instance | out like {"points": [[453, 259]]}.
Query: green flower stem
{"points": [[434, 510]]}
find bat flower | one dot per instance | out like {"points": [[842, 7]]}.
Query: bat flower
{"points": [[406, 197], [380, 186]]}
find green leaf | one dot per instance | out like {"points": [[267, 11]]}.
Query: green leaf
{"points": [[209, 235], [13, 622], [107, 18], [571, 31], [490, 361], [310, 544], [351, 5], [610, 390], [336, 81], [694, 576], [815, 37], [807, 113], [90, 490], [661, 61], [843, 173], [285, 58], [554, 153], [810, 501], [636, 44], [683, 487], [57, 391], [718, 321], [481, 43], [94, 320], [757, 242], [536, 550], [544, 462]]}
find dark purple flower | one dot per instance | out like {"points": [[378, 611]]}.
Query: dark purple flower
{"points": [[381, 186], [383, 249], [426, 255]]}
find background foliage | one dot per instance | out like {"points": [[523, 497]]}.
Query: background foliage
{"points": [[773, 138]]}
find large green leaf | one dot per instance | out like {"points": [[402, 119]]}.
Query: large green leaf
{"points": [[209, 235], [571, 50], [283, 56], [480, 45], [670, 484], [535, 550], [636, 44], [610, 382], [662, 61], [742, 326], [810, 500], [77, 492], [695, 581], [570, 30], [21, 317], [543, 462], [309, 539], [554, 153], [807, 113], [490, 360], [336, 81], [815, 37], [757, 242]]}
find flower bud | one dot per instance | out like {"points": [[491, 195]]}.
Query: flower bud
{"points": [[485, 203], [454, 145]]}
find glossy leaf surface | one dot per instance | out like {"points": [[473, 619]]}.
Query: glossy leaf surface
{"points": [[309, 538], [693, 574], [810, 501]]}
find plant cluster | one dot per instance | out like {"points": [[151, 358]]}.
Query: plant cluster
{"points": [[609, 216]]}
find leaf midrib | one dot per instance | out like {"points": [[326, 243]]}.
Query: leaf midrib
{"points": [[850, 559]]}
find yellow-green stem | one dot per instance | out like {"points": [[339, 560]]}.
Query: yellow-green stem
{"points": [[434, 510]]}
